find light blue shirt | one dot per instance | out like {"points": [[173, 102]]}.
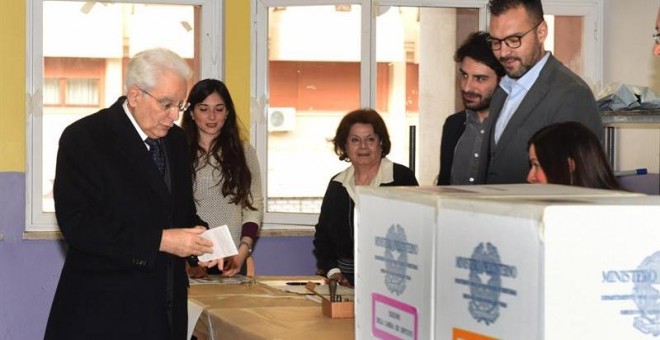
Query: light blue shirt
{"points": [[516, 90]]}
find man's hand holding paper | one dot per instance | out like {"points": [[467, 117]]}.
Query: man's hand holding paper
{"points": [[223, 246]]}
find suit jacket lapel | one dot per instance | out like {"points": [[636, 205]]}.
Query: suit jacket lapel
{"points": [[538, 91], [167, 176], [127, 141], [496, 105]]}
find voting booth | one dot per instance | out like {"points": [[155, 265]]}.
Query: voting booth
{"points": [[507, 262]]}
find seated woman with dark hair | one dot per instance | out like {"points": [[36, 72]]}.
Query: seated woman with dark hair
{"points": [[569, 153]]}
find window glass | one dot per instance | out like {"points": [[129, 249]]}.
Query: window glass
{"points": [[314, 65], [416, 83], [313, 80], [316, 61], [51, 91], [83, 75], [564, 43], [82, 92]]}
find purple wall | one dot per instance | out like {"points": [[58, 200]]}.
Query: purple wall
{"points": [[284, 256], [29, 270]]}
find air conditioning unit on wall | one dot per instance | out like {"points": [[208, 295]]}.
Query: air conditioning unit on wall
{"points": [[281, 118]]}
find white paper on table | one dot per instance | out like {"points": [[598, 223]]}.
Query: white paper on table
{"points": [[298, 287], [219, 280], [194, 311], [223, 245]]}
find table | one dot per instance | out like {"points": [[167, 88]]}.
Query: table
{"points": [[630, 118], [259, 311]]}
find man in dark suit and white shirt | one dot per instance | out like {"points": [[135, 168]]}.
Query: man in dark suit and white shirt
{"points": [[463, 132], [124, 203], [537, 90]]}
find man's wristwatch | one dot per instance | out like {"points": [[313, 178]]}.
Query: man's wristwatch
{"points": [[249, 247]]}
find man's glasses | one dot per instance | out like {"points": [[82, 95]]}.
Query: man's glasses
{"points": [[167, 104], [656, 38], [512, 41]]}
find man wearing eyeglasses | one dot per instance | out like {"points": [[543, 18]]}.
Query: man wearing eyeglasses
{"points": [[536, 91], [124, 203]]}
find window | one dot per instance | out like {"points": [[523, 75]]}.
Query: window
{"points": [[82, 92], [316, 60], [63, 92], [73, 81], [77, 53]]}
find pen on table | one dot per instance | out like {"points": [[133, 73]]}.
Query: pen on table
{"points": [[641, 171], [296, 283]]}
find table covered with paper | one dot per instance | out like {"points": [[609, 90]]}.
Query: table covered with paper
{"points": [[264, 307]]}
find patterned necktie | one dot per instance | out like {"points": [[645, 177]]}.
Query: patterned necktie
{"points": [[156, 154]]}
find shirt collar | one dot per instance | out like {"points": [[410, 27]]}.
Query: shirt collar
{"points": [[128, 113], [385, 175], [528, 79], [472, 117]]}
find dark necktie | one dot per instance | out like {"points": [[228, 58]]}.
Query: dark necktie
{"points": [[156, 154]]}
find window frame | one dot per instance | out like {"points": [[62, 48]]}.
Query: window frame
{"points": [[592, 11], [211, 65]]}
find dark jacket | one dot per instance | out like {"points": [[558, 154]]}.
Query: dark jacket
{"points": [[112, 205], [335, 231], [452, 131], [558, 95]]}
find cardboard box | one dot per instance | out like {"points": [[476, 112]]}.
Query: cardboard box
{"points": [[338, 310], [333, 309], [504, 262], [549, 270]]}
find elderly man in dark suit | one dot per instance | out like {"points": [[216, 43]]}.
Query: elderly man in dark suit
{"points": [[537, 90], [124, 203]]}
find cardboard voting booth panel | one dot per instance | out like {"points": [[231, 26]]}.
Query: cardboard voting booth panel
{"points": [[529, 262], [497, 191], [394, 260], [539, 269]]}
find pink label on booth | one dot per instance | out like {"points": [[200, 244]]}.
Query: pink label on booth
{"points": [[392, 319]]}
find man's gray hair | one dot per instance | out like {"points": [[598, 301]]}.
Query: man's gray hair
{"points": [[145, 67]]}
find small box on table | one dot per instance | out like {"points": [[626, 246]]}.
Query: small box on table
{"points": [[338, 310]]}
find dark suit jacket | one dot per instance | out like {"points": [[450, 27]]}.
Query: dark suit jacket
{"points": [[112, 205], [557, 95], [452, 131]]}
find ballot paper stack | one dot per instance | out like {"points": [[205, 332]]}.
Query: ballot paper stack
{"points": [[618, 96], [507, 262]]}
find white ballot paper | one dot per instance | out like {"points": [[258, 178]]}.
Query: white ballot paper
{"points": [[223, 245]]}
